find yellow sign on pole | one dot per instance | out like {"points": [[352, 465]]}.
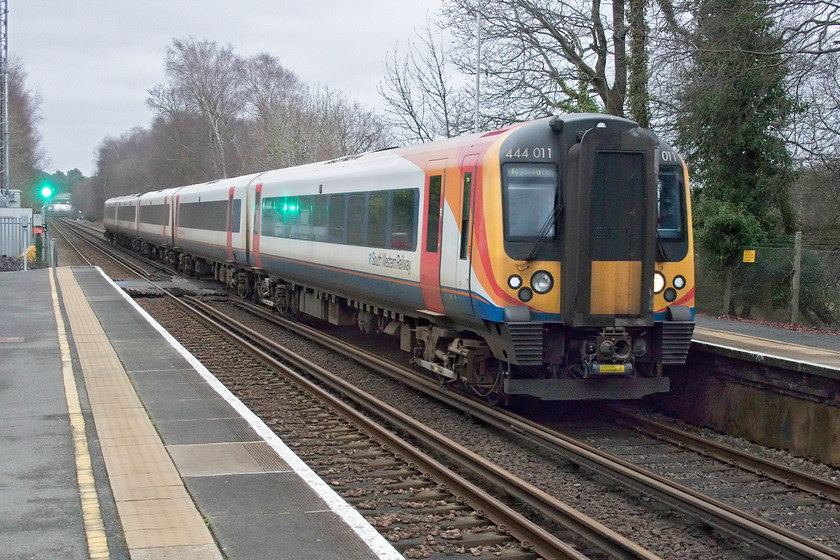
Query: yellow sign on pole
{"points": [[749, 256]]}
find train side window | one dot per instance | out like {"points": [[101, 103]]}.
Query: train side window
{"points": [[126, 213], [235, 215], [356, 219], [304, 218], [465, 215], [433, 213], [337, 205], [403, 227], [377, 219], [669, 203], [271, 218], [319, 217], [290, 216], [153, 214], [209, 216]]}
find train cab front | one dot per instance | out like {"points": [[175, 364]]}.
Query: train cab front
{"points": [[602, 273]]}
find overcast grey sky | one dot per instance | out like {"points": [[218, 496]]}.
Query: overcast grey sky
{"points": [[92, 62]]}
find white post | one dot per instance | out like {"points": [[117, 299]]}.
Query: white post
{"points": [[477, 65], [24, 224], [797, 278]]}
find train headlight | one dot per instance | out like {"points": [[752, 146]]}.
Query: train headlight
{"points": [[679, 282], [515, 282], [542, 282], [658, 282], [525, 294]]}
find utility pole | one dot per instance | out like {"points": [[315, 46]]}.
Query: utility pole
{"points": [[477, 64], [4, 101]]}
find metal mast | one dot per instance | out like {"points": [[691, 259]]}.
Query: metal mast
{"points": [[4, 98]]}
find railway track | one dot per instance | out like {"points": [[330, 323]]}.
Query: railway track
{"points": [[89, 246], [762, 536], [813, 521]]}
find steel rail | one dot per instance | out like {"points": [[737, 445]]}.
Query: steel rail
{"points": [[750, 529], [110, 249], [58, 230], [542, 541], [807, 482]]}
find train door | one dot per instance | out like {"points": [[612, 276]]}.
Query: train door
{"points": [[238, 218], [610, 254], [232, 224], [257, 220], [430, 242], [167, 226], [137, 218], [175, 222], [456, 239]]}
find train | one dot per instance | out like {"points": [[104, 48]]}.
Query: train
{"points": [[550, 259], [60, 206]]}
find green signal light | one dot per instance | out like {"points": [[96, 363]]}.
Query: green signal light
{"points": [[46, 192]]}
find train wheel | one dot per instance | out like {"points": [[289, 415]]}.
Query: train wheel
{"points": [[243, 285], [492, 391], [283, 301]]}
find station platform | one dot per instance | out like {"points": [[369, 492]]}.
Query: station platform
{"points": [[117, 443], [800, 350]]}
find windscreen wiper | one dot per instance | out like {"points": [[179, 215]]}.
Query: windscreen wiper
{"points": [[661, 255], [543, 233]]}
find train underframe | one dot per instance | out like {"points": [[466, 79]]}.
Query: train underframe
{"points": [[495, 361], [548, 361]]}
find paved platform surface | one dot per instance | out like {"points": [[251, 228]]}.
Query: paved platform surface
{"points": [[820, 349], [116, 443]]}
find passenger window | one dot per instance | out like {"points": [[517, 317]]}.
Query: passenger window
{"points": [[304, 209], [377, 219], [465, 215], [403, 208], [271, 223], [235, 215], [356, 219], [337, 205], [319, 217]]}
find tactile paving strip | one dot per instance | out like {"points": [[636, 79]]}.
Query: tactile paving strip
{"points": [[154, 507]]}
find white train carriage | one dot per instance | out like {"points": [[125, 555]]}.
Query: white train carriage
{"points": [[155, 223], [121, 218], [210, 220], [348, 227]]}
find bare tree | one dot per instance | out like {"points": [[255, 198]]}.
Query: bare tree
{"points": [[547, 55], [275, 102], [344, 127], [204, 78], [25, 152], [421, 94]]}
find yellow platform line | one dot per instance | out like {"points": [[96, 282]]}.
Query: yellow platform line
{"points": [[97, 542], [158, 516]]}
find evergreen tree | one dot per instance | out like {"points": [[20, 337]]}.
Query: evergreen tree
{"points": [[734, 102]]}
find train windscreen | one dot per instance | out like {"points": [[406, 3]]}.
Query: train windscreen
{"points": [[669, 205], [530, 192]]}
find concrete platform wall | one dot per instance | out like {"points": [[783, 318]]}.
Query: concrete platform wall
{"points": [[725, 395]]}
